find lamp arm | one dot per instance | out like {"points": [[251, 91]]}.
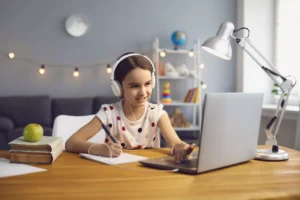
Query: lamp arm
{"points": [[271, 73], [286, 85]]}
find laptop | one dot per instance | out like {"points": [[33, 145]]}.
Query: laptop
{"points": [[229, 134]]}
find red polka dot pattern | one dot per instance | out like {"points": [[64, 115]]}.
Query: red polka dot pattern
{"points": [[106, 140], [123, 128], [152, 124], [111, 107], [118, 118], [104, 108]]}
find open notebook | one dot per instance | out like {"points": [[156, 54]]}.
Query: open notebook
{"points": [[122, 159]]}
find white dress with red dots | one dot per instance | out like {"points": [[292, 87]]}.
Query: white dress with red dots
{"points": [[139, 134]]}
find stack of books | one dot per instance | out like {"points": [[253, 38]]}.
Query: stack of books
{"points": [[45, 151], [192, 96]]}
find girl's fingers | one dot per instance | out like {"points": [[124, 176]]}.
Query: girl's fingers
{"points": [[116, 152], [171, 151], [190, 149], [182, 152], [117, 145], [177, 153]]}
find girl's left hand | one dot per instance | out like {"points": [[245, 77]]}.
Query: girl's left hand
{"points": [[181, 150]]}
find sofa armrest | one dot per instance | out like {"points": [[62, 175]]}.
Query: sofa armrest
{"points": [[6, 124]]}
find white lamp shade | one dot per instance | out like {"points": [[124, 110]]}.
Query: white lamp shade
{"points": [[219, 45]]}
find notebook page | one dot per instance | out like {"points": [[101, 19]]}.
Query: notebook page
{"points": [[13, 169], [122, 159]]}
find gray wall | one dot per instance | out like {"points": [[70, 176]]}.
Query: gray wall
{"points": [[286, 134], [35, 29]]}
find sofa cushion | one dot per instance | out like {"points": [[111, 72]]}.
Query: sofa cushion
{"points": [[99, 100], [3, 140], [6, 124], [17, 132], [72, 106], [23, 110]]}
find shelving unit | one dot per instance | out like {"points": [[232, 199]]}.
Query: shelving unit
{"points": [[196, 82]]}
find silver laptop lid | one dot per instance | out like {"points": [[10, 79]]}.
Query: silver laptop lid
{"points": [[230, 129]]}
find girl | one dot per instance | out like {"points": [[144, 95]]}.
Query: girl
{"points": [[133, 121]]}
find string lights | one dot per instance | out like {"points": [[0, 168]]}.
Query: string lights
{"points": [[11, 55], [191, 53], [76, 72], [42, 68], [108, 69], [203, 85], [163, 53]]}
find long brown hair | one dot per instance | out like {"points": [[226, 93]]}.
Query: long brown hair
{"points": [[130, 63]]}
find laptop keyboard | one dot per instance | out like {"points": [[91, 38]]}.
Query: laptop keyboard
{"points": [[190, 162]]}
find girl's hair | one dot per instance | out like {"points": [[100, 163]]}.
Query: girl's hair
{"points": [[130, 63]]}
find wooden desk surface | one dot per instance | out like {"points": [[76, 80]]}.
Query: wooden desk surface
{"points": [[73, 177]]}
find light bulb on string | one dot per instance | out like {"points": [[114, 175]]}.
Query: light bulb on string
{"points": [[76, 72], [108, 69], [162, 54], [201, 66], [11, 55], [203, 85], [42, 69], [191, 53]]}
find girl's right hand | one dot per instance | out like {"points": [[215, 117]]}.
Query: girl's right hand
{"points": [[115, 149]]}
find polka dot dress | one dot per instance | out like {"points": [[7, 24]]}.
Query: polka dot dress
{"points": [[139, 134]]}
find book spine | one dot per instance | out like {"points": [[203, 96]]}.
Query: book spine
{"points": [[196, 95], [55, 154], [29, 158], [187, 96], [31, 148], [34, 157], [45, 147], [192, 95]]}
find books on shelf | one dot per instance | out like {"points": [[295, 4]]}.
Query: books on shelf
{"points": [[45, 151], [192, 96]]}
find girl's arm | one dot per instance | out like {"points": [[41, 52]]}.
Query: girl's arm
{"points": [[78, 142], [179, 149], [168, 131]]}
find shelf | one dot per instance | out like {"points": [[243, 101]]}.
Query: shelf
{"points": [[179, 77], [172, 51], [179, 103], [192, 128], [194, 80]]}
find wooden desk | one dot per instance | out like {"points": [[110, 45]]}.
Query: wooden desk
{"points": [[71, 177]]}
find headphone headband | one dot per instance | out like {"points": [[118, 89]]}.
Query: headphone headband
{"points": [[112, 76]]}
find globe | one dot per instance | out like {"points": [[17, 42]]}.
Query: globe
{"points": [[178, 38]]}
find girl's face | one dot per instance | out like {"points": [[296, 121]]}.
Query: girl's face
{"points": [[137, 87]]}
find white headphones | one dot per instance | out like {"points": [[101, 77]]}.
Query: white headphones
{"points": [[116, 86]]}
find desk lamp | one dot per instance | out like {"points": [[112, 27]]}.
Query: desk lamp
{"points": [[219, 46]]}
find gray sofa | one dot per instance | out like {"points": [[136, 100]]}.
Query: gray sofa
{"points": [[18, 111]]}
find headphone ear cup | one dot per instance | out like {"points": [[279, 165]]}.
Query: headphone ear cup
{"points": [[116, 88], [153, 80]]}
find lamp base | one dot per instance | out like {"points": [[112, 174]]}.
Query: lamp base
{"points": [[268, 155]]}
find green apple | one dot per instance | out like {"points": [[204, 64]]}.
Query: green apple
{"points": [[33, 132]]}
